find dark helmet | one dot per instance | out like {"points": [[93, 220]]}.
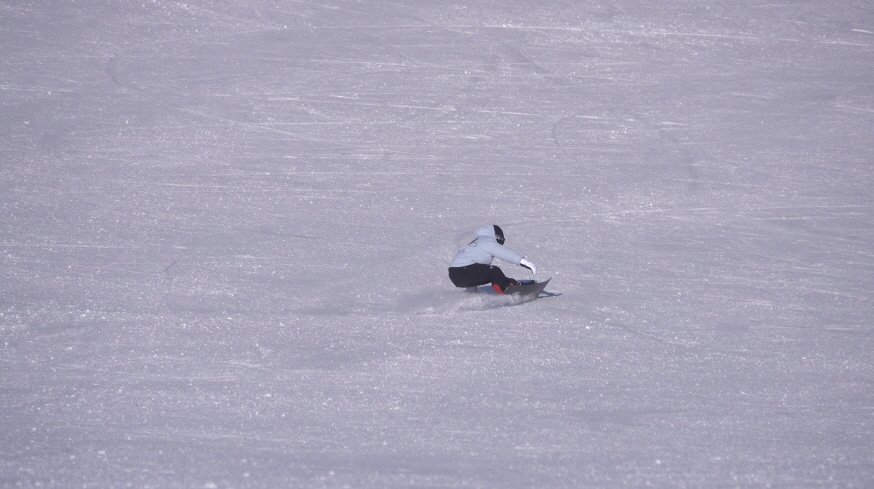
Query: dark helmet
{"points": [[499, 235]]}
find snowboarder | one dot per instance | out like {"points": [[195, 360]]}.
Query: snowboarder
{"points": [[472, 265]]}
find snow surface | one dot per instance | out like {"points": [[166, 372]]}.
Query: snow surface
{"points": [[226, 225]]}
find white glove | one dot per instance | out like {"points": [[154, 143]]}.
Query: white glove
{"points": [[527, 264]]}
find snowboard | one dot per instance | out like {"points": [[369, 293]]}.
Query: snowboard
{"points": [[527, 289]]}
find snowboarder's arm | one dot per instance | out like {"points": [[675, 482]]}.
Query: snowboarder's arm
{"points": [[505, 254]]}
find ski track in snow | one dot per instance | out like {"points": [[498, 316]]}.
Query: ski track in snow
{"points": [[226, 228]]}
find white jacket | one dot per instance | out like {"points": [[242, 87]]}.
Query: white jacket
{"points": [[484, 249]]}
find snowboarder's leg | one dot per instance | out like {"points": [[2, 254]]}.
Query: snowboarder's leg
{"points": [[470, 276], [499, 281]]}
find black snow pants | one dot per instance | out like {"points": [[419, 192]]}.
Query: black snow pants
{"points": [[479, 274]]}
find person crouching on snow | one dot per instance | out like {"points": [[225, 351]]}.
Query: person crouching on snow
{"points": [[472, 265]]}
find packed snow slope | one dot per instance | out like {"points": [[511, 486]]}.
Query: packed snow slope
{"points": [[225, 226]]}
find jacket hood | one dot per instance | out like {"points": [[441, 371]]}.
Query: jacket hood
{"points": [[486, 231], [492, 231]]}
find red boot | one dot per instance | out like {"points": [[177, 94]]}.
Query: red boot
{"points": [[510, 282]]}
